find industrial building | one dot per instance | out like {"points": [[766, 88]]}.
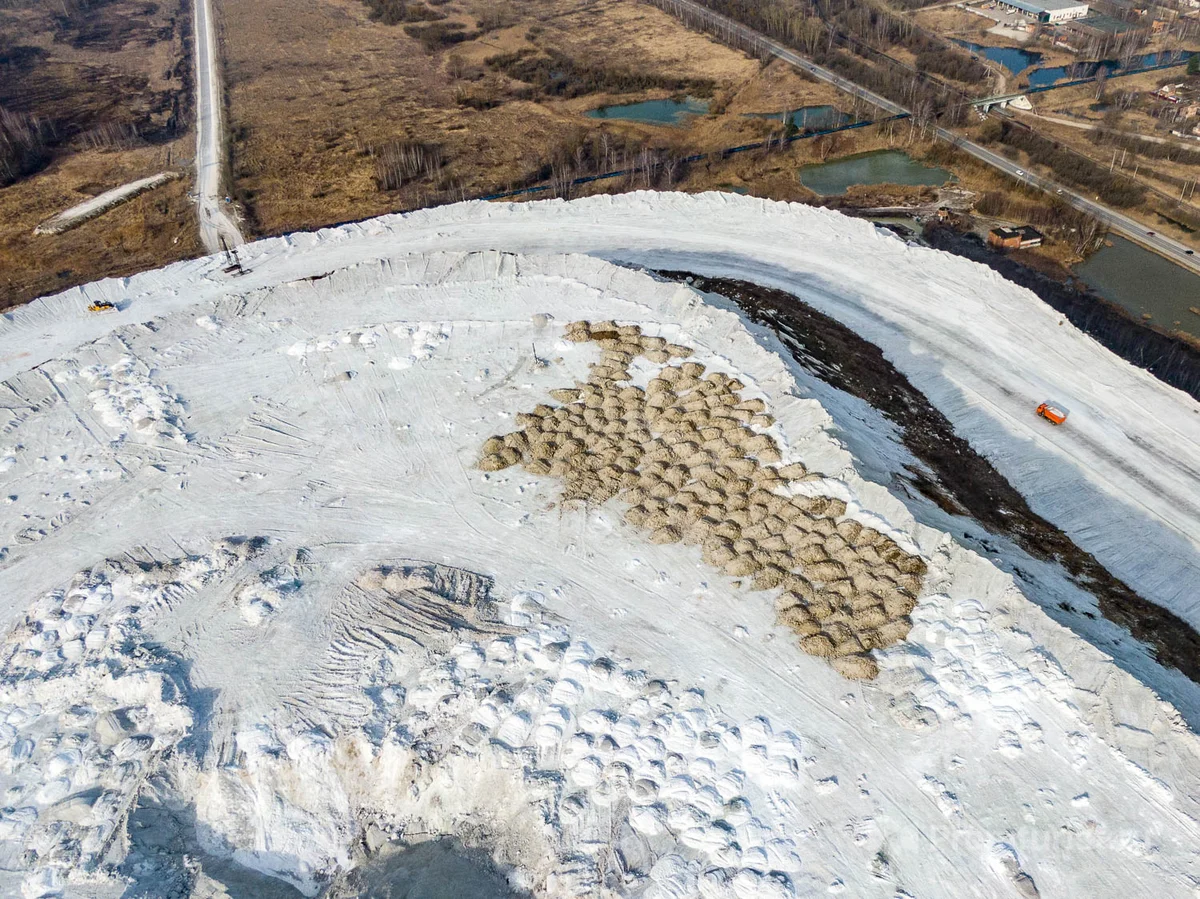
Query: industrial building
{"points": [[1048, 11], [1021, 238]]}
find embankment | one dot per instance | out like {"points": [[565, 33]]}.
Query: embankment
{"points": [[1170, 359]]}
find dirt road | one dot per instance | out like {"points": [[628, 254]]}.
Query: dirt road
{"points": [[216, 223]]}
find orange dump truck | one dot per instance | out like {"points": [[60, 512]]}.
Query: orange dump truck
{"points": [[1052, 412]]}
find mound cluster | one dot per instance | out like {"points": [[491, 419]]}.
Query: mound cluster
{"points": [[689, 457]]}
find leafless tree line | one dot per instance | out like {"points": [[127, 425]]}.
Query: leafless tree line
{"points": [[400, 161], [24, 145], [818, 29]]}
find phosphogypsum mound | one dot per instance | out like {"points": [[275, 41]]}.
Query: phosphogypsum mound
{"points": [[688, 456]]}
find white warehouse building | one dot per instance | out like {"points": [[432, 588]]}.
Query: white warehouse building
{"points": [[1049, 11]]}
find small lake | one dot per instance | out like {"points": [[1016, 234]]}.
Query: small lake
{"points": [[1144, 282], [907, 226], [808, 118], [1164, 57], [831, 179], [652, 112], [1012, 58]]}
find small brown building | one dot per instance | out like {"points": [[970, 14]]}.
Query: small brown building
{"points": [[1014, 238]]}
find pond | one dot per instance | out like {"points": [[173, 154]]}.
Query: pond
{"points": [[653, 112], [879, 167], [1163, 58], [1012, 58], [1144, 283], [903, 225], [809, 118]]}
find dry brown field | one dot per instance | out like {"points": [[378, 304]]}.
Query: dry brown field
{"points": [[319, 92], [949, 21], [336, 116], [103, 86]]}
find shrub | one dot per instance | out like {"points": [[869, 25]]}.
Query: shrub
{"points": [[393, 12], [439, 34]]}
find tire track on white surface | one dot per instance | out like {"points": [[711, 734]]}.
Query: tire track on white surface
{"points": [[958, 339], [1077, 439], [102, 445]]}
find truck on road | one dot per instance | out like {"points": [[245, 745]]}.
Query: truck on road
{"points": [[1052, 412]]}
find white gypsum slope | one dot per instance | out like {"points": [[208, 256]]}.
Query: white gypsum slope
{"points": [[630, 720], [986, 352]]}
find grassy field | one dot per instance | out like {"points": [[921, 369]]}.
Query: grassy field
{"points": [[92, 95], [149, 231], [950, 21]]}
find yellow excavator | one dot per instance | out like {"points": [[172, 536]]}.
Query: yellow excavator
{"points": [[102, 306]]}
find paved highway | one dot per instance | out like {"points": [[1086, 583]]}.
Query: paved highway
{"points": [[1116, 222], [216, 225]]}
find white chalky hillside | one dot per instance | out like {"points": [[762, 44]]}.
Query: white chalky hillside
{"points": [[256, 580]]}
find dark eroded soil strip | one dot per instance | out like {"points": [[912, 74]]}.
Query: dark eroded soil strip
{"points": [[967, 483]]}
